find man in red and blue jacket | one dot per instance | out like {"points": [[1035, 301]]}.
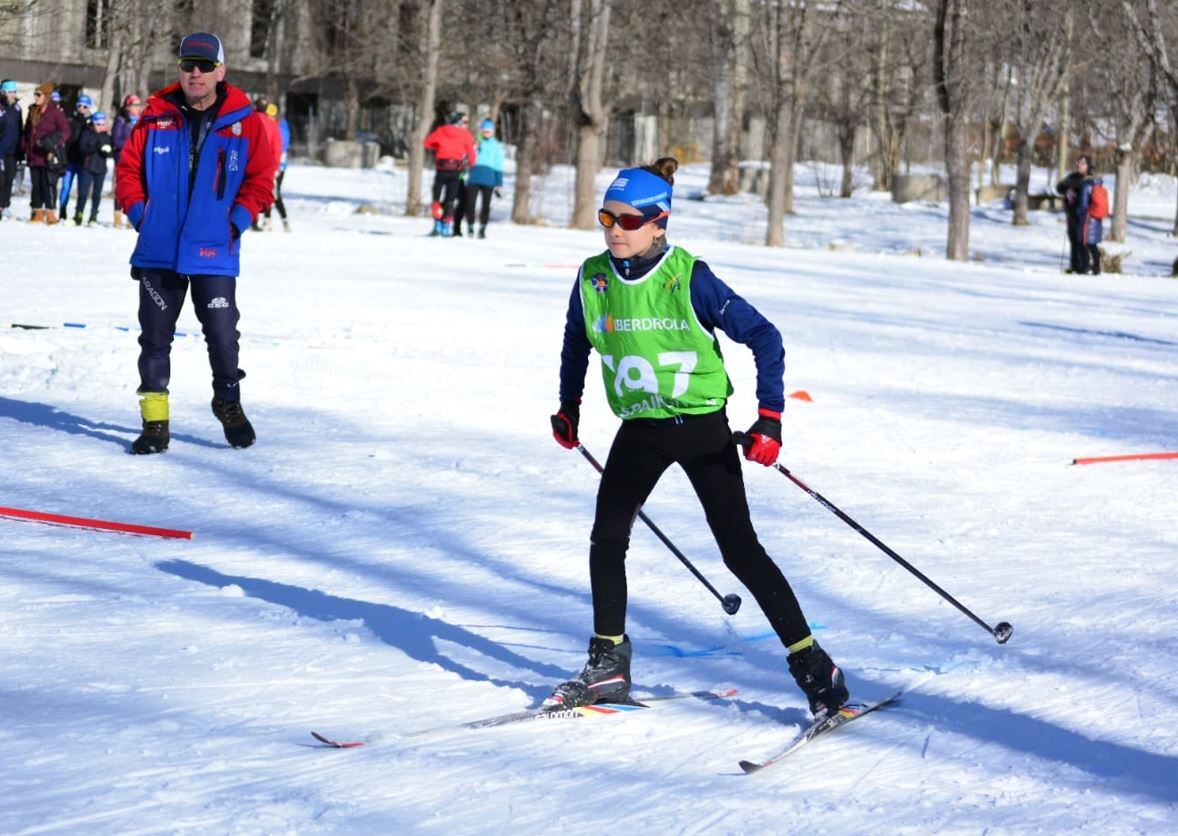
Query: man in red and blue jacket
{"points": [[194, 175]]}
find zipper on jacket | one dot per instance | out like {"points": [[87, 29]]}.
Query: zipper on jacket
{"points": [[219, 179]]}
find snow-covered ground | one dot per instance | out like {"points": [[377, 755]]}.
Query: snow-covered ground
{"points": [[405, 547]]}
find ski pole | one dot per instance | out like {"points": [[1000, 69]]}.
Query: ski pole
{"points": [[730, 603], [1001, 633]]}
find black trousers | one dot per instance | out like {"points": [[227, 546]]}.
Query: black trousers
{"points": [[1075, 247], [6, 178], [43, 188], [484, 193], [1088, 259], [89, 188], [703, 446], [446, 186], [278, 204], [161, 296]]}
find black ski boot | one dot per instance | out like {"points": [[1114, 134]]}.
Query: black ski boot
{"points": [[483, 231], [820, 679], [605, 677], [239, 432], [153, 439]]}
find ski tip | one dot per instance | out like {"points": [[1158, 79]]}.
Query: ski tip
{"points": [[336, 744], [749, 767]]}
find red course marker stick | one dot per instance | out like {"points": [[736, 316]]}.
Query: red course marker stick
{"points": [[1134, 458], [82, 522]]}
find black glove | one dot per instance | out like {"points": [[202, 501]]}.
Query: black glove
{"points": [[564, 424], [234, 232], [498, 192]]}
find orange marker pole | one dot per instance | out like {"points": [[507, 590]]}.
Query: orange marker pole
{"points": [[83, 522], [1134, 458]]}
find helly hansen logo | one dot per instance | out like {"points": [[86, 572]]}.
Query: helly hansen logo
{"points": [[219, 302], [207, 252]]}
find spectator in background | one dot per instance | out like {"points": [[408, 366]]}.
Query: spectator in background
{"points": [[73, 154], [284, 137], [486, 176], [262, 106], [95, 149], [1070, 187], [119, 134], [10, 129], [47, 131], [454, 150]]}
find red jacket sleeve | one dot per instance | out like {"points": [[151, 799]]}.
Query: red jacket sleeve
{"points": [[472, 152], [257, 189]]}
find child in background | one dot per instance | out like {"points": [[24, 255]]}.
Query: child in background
{"points": [[94, 149]]}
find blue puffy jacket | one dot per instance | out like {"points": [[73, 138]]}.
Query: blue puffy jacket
{"points": [[488, 169], [1092, 228], [195, 233]]}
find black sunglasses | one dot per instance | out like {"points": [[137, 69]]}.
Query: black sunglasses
{"points": [[187, 65], [627, 222]]}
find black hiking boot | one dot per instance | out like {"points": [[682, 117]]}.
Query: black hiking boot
{"points": [[153, 439], [605, 677], [820, 679], [238, 430], [482, 232]]}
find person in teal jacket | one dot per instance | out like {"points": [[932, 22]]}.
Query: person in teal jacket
{"points": [[486, 177]]}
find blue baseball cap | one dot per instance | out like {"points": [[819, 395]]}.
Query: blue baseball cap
{"points": [[487, 125], [8, 86], [98, 116], [85, 101], [202, 45]]}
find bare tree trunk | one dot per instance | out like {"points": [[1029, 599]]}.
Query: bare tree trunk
{"points": [[114, 54], [779, 156], [949, 45], [351, 106], [1022, 184], [797, 112], [589, 111], [1062, 146], [525, 156], [723, 55], [431, 47], [847, 134], [1126, 160]]}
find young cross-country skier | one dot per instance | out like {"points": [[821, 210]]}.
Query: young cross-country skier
{"points": [[651, 310]]}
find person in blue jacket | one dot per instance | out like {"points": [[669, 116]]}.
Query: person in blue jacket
{"points": [[10, 131], [651, 311], [484, 178], [1089, 227], [195, 174]]}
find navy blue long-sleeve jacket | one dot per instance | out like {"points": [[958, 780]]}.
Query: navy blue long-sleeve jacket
{"points": [[716, 305], [9, 130]]}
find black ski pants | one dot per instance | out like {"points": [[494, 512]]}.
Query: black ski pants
{"points": [[446, 186], [702, 445], [482, 193], [214, 298], [7, 176]]}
